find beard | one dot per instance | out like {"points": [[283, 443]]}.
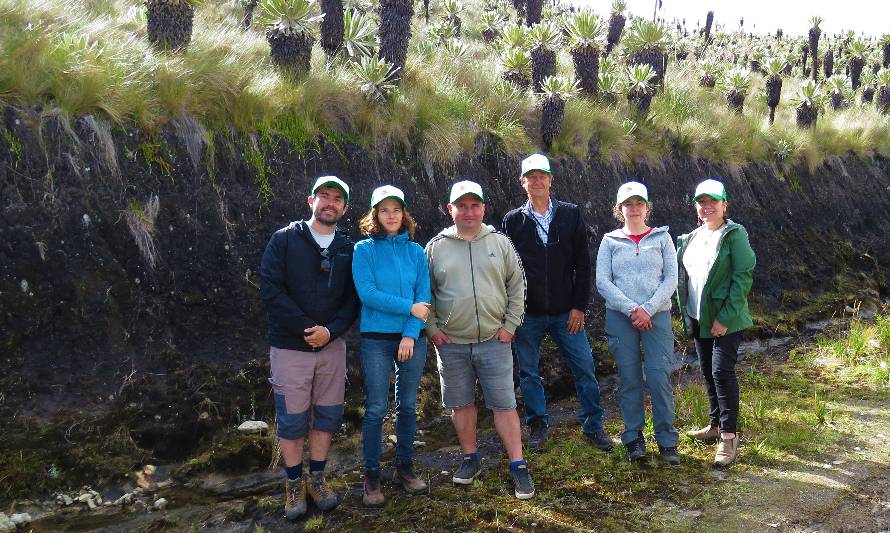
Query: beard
{"points": [[327, 216]]}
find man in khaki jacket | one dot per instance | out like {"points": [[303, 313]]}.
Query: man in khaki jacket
{"points": [[478, 301]]}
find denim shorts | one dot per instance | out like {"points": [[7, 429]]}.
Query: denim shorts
{"points": [[490, 361]]}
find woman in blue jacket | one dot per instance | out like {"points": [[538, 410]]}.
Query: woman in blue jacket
{"points": [[392, 279]]}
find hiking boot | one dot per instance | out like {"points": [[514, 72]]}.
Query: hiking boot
{"points": [[410, 482], [318, 489], [669, 454], [600, 439], [295, 498], [372, 495], [727, 450], [706, 434], [636, 449], [537, 436], [469, 469], [523, 486]]}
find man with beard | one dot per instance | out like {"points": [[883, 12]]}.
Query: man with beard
{"points": [[310, 299]]}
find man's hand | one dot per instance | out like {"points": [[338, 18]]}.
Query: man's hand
{"points": [[503, 335], [575, 322], [317, 336], [406, 349], [438, 338], [421, 310], [640, 319], [718, 329]]}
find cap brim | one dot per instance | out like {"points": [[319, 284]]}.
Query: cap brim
{"points": [[332, 185], [628, 197], [400, 200], [481, 199], [547, 170], [712, 195]]}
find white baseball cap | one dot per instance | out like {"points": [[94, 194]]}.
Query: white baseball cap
{"points": [[535, 162], [387, 191], [629, 189], [462, 188], [712, 188], [331, 181]]}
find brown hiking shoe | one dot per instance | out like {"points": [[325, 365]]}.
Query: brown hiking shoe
{"points": [[410, 482], [295, 498], [706, 434], [318, 489], [373, 494], [727, 450]]}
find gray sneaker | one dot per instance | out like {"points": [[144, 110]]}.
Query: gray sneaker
{"points": [[636, 449], [669, 454], [469, 469], [600, 439], [523, 486]]}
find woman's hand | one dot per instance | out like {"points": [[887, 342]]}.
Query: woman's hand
{"points": [[421, 310], [718, 329], [406, 349]]}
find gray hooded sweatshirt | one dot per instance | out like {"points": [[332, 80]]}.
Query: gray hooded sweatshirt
{"points": [[630, 274], [477, 286]]}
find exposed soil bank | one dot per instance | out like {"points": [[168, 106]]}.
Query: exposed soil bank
{"points": [[129, 312]]}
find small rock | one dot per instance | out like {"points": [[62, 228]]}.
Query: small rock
{"points": [[164, 484], [393, 439], [253, 426], [161, 504], [5, 523], [64, 499], [444, 472], [691, 514], [140, 506], [419, 443], [858, 449], [775, 524], [91, 503], [204, 416], [85, 497]]}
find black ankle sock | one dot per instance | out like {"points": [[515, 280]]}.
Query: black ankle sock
{"points": [[317, 466], [294, 472]]}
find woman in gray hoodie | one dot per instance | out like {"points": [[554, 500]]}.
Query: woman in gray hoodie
{"points": [[636, 273]]}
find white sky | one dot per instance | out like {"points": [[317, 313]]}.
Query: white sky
{"points": [[871, 17]]}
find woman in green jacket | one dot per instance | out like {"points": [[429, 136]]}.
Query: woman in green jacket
{"points": [[716, 265]]}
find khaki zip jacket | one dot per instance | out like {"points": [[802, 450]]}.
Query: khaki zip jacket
{"points": [[477, 286]]}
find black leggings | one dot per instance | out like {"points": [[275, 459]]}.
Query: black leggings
{"points": [[718, 357]]}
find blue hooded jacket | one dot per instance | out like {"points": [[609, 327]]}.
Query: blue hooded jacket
{"points": [[391, 274]]}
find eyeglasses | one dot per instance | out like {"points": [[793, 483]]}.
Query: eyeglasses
{"points": [[325, 262]]}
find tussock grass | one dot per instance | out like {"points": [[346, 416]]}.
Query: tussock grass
{"points": [[92, 57]]}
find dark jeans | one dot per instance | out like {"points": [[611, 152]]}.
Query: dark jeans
{"points": [[718, 357], [575, 349]]}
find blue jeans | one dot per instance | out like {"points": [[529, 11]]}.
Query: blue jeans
{"points": [[575, 350], [378, 362], [637, 370]]}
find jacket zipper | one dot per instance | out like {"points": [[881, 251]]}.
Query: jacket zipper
{"points": [[475, 300]]}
